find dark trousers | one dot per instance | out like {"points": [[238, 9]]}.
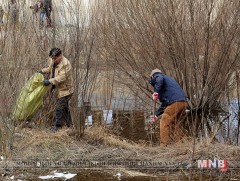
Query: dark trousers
{"points": [[63, 115], [48, 16]]}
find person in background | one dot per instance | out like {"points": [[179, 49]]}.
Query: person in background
{"points": [[60, 70], [1, 15], [173, 104], [42, 13], [47, 4], [14, 14], [34, 10], [45, 7]]}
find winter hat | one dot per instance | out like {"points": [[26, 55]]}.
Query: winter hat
{"points": [[155, 71], [55, 52]]}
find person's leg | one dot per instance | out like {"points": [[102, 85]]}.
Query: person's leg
{"points": [[68, 118], [59, 112], [67, 113], [49, 20], [178, 131], [169, 120], [42, 14], [164, 129], [62, 112]]}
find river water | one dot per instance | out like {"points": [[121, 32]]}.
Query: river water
{"points": [[114, 175]]}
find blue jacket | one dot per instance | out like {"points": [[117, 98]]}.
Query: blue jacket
{"points": [[169, 91]]}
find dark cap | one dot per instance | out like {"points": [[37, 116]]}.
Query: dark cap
{"points": [[55, 52]]}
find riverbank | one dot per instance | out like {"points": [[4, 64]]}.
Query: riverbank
{"points": [[99, 150]]}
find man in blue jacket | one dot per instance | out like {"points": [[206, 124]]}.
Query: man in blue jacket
{"points": [[173, 105]]}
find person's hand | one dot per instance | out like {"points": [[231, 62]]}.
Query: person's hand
{"points": [[155, 96], [40, 71], [154, 118], [46, 82]]}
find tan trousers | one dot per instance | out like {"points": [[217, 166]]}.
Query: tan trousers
{"points": [[170, 123]]}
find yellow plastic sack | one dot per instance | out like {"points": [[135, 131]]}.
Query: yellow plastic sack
{"points": [[30, 98]]}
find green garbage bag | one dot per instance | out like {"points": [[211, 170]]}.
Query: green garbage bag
{"points": [[31, 98]]}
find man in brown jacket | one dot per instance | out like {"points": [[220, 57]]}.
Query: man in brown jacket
{"points": [[61, 79]]}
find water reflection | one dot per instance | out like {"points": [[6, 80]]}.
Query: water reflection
{"points": [[111, 176], [99, 175]]}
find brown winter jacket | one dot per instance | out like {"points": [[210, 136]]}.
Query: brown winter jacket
{"points": [[63, 77]]}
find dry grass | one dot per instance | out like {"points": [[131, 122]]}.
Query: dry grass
{"points": [[34, 143], [98, 144], [101, 134]]}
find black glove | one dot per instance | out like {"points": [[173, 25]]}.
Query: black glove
{"points": [[40, 71], [46, 82]]}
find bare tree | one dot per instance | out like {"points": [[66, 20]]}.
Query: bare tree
{"points": [[194, 41]]}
